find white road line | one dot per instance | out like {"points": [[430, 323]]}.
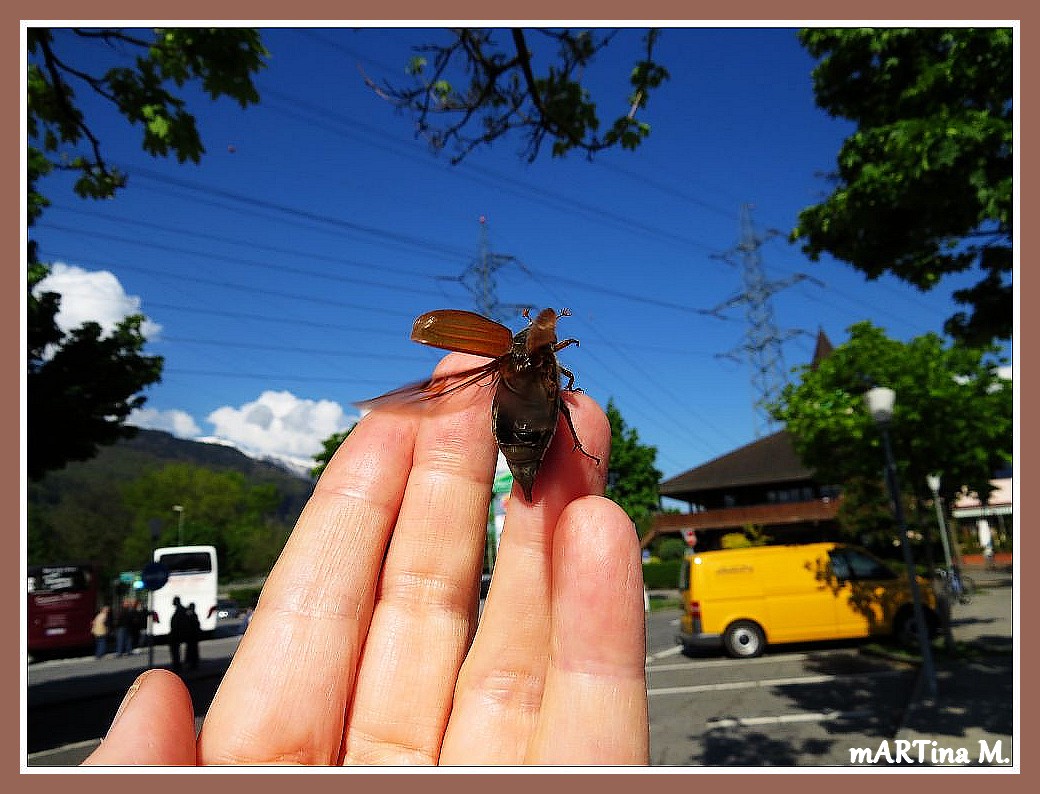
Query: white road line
{"points": [[673, 651], [63, 749], [709, 663], [783, 719], [767, 682]]}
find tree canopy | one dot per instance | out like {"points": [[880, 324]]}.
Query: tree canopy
{"points": [[328, 449], [485, 90], [953, 412], [633, 478], [923, 187], [82, 385], [221, 508]]}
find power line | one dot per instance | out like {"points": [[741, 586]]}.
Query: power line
{"points": [[339, 353], [270, 377], [151, 244], [253, 201], [251, 288], [182, 232]]}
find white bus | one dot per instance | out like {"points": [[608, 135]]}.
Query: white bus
{"points": [[193, 578]]}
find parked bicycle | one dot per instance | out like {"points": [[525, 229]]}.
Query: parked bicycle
{"points": [[955, 585]]}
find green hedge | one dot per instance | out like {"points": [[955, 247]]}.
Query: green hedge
{"points": [[662, 575], [244, 596]]}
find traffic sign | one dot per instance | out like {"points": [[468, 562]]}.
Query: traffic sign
{"points": [[690, 537], [154, 575]]}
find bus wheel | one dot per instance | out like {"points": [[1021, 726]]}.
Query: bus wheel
{"points": [[744, 639]]}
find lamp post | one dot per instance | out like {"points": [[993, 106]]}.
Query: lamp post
{"points": [[179, 509], [880, 403], [947, 600], [933, 485]]}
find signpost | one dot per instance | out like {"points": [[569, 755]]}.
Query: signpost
{"points": [[154, 576]]}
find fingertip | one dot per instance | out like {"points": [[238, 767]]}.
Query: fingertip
{"points": [[154, 725], [598, 587]]}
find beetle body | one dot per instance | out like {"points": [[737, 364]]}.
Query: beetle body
{"points": [[524, 372]]}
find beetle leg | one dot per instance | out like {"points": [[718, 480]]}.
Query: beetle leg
{"points": [[577, 444], [570, 380], [565, 343]]}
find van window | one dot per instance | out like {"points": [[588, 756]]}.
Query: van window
{"points": [[849, 564]]}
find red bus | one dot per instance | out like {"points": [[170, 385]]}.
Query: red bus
{"points": [[62, 601]]}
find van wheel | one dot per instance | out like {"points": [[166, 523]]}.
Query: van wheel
{"points": [[905, 627], [744, 639]]}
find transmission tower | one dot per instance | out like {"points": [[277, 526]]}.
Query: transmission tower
{"points": [[763, 342], [479, 279]]}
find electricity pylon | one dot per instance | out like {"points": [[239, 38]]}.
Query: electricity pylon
{"points": [[763, 341]]}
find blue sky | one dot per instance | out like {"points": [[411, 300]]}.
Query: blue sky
{"points": [[282, 274]]}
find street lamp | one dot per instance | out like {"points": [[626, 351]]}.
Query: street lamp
{"points": [[933, 485], [179, 509], [951, 573], [880, 404]]}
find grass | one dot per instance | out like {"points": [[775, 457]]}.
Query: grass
{"points": [[658, 603], [961, 650]]}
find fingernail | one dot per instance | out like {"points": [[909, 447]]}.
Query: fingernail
{"points": [[127, 698]]}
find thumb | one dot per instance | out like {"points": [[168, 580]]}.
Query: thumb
{"points": [[154, 726]]}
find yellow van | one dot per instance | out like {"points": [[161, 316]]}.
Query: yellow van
{"points": [[744, 599]]}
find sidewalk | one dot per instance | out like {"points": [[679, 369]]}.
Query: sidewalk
{"points": [[971, 720]]}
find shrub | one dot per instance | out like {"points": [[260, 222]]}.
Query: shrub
{"points": [[671, 549], [662, 575]]}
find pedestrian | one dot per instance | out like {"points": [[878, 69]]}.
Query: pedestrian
{"points": [[100, 628], [246, 618], [192, 632], [138, 616], [177, 631], [123, 621]]}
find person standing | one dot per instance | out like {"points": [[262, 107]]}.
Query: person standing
{"points": [[123, 621], [99, 629], [177, 632], [138, 616], [192, 631]]}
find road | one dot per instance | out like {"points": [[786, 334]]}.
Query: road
{"points": [[796, 706]]}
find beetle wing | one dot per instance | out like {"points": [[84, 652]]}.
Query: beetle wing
{"points": [[463, 332], [431, 388]]}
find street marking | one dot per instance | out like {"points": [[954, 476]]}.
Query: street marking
{"points": [[63, 749], [783, 719], [767, 682], [675, 650], [708, 663]]}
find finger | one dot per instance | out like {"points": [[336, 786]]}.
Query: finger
{"points": [[500, 689], [426, 603], [154, 726], [284, 695], [594, 710]]}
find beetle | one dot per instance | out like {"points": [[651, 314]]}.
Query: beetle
{"points": [[524, 371]]}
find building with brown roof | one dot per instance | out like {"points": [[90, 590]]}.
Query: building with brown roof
{"points": [[763, 485]]}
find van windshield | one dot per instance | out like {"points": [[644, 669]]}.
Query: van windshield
{"points": [[849, 564]]}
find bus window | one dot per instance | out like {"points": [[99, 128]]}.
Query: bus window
{"points": [[187, 562]]}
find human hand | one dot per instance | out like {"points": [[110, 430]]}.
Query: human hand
{"points": [[365, 648]]}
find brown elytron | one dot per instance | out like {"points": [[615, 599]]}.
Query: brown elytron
{"points": [[524, 371]]}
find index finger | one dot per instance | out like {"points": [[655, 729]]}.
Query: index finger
{"points": [[283, 697]]}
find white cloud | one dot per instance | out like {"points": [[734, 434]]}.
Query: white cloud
{"points": [[179, 423], [92, 295], [281, 424]]}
